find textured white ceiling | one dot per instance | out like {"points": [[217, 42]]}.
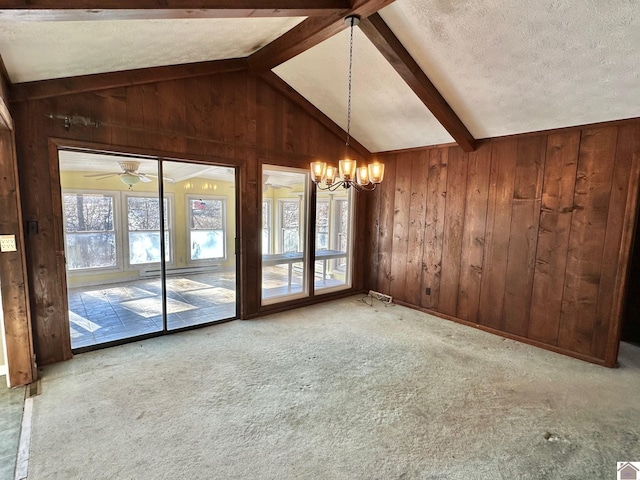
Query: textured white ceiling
{"points": [[385, 113], [504, 66], [43, 50], [511, 66]]}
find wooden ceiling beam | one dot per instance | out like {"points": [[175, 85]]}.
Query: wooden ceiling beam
{"points": [[73, 10], [309, 33], [86, 83], [392, 49], [283, 87]]}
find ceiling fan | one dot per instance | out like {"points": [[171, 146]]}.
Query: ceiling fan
{"points": [[269, 181], [129, 174]]}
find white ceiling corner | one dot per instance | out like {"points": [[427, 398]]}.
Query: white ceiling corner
{"points": [[512, 66], [43, 50], [385, 113], [504, 66]]}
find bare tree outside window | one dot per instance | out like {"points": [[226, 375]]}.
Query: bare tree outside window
{"points": [[90, 238], [290, 226], [143, 221], [207, 228], [322, 225]]}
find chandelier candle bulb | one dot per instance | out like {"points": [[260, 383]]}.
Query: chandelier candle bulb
{"points": [[319, 170], [362, 175], [376, 172], [330, 174], [347, 169]]}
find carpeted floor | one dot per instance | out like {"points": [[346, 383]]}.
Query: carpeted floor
{"points": [[340, 390]]}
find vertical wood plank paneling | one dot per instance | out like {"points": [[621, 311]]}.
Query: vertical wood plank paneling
{"points": [[453, 229], [48, 302], [172, 116], [245, 131], [13, 275], [400, 242], [586, 240], [217, 127], [150, 114], [198, 115], [135, 117], [413, 273], [385, 243], [628, 145], [475, 216], [553, 236], [372, 238], [101, 107], [498, 231], [436, 183], [525, 218], [117, 99]]}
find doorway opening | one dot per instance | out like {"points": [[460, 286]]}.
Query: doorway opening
{"points": [[149, 245], [631, 313]]}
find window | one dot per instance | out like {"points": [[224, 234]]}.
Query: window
{"points": [[285, 257], [333, 241], [322, 225], [207, 228], [143, 227], [341, 230], [266, 226], [290, 226], [89, 227]]}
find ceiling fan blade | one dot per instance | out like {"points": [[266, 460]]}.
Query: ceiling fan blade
{"points": [[143, 178], [108, 176], [166, 179], [104, 174]]}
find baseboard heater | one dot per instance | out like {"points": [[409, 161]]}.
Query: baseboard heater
{"points": [[174, 271]]}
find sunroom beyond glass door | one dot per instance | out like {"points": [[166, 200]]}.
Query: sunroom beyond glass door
{"points": [[111, 232], [201, 281], [334, 221], [284, 233]]}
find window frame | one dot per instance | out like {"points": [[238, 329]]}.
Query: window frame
{"points": [[169, 227], [115, 195], [347, 269], [269, 227], [206, 261], [280, 220]]}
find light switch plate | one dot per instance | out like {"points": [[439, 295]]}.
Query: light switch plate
{"points": [[7, 243]]}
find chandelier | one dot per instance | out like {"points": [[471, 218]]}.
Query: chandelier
{"points": [[348, 174]]}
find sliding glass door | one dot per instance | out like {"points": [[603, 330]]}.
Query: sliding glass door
{"points": [[286, 263], [201, 282], [138, 265]]}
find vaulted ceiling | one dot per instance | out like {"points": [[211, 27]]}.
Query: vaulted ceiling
{"points": [[426, 72]]}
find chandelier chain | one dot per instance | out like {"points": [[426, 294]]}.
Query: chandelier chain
{"points": [[350, 78]]}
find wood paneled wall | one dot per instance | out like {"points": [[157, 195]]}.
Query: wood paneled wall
{"points": [[21, 368], [231, 118], [527, 236]]}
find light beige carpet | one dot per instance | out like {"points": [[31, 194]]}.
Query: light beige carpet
{"points": [[335, 391]]}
